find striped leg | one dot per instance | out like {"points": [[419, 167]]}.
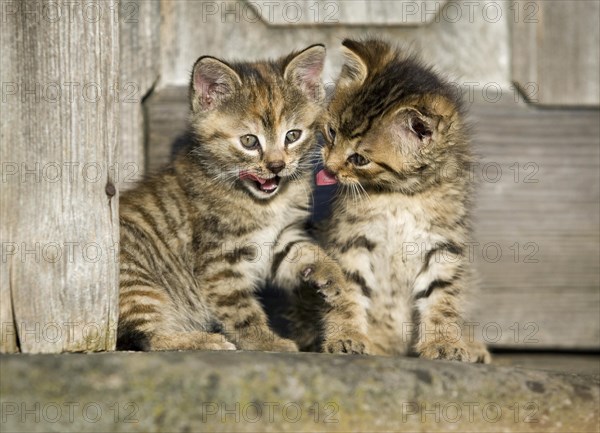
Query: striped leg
{"points": [[231, 295], [437, 291], [143, 324], [302, 265], [148, 316]]}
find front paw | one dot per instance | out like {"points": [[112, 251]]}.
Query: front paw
{"points": [[479, 353], [354, 343], [282, 345], [446, 350], [326, 277]]}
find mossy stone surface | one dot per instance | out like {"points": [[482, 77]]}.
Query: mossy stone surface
{"points": [[291, 392]]}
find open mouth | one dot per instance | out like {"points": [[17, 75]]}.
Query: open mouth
{"points": [[268, 186]]}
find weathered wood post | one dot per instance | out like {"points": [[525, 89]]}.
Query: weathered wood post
{"points": [[59, 214]]}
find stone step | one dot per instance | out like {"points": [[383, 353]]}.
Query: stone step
{"points": [[296, 392]]}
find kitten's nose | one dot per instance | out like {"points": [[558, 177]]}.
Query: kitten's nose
{"points": [[276, 166]]}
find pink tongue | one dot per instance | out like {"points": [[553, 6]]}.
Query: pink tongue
{"points": [[268, 184], [325, 178], [247, 175]]}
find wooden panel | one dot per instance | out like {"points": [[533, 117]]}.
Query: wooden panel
{"points": [[555, 50], [59, 134], [469, 41], [167, 123], [541, 212], [356, 12], [140, 63]]}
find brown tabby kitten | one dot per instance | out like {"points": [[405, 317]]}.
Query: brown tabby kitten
{"points": [[198, 239], [397, 144]]}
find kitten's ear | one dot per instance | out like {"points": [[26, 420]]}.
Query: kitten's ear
{"points": [[421, 126], [427, 118], [213, 81], [355, 69], [413, 128], [304, 70]]}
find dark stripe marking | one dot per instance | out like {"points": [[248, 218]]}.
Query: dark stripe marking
{"points": [[143, 293], [447, 246], [358, 279], [435, 284], [359, 242], [223, 275], [247, 253], [280, 256], [249, 320]]}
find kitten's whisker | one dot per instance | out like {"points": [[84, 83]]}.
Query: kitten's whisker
{"points": [[366, 194], [308, 192]]}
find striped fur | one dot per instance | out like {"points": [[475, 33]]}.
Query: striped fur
{"points": [[400, 222], [198, 239]]}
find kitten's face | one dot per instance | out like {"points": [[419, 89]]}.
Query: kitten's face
{"points": [[257, 121], [390, 155], [386, 128]]}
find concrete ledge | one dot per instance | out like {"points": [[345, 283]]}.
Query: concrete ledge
{"points": [[268, 392]]}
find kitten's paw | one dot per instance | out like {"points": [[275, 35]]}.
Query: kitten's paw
{"points": [[478, 353], [197, 340], [282, 345], [327, 278], [449, 351], [354, 343], [224, 345], [268, 342]]}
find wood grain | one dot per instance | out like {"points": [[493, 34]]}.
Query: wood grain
{"points": [[59, 223], [168, 122], [543, 214], [139, 62], [555, 50], [469, 48], [357, 12], [540, 213]]}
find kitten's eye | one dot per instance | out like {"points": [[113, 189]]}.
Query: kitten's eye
{"points": [[292, 136], [358, 160], [331, 133], [249, 141]]}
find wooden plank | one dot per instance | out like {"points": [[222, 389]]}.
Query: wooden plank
{"points": [[59, 134], [140, 61], [328, 13], [466, 40], [541, 213], [168, 121], [555, 50]]}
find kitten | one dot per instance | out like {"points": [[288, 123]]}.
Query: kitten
{"points": [[198, 239], [397, 143]]}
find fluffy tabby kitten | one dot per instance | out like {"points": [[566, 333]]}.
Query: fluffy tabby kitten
{"points": [[198, 239], [398, 146]]}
